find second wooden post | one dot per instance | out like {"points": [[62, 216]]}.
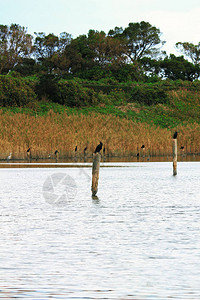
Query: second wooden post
{"points": [[95, 172], [174, 148]]}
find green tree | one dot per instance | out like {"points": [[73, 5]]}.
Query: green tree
{"points": [[151, 67], [26, 67], [174, 68], [107, 50], [128, 72], [93, 55], [190, 50], [79, 55], [49, 49], [139, 39], [15, 45]]}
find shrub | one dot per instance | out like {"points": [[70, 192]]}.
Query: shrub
{"points": [[72, 94], [148, 95], [16, 91], [47, 87]]}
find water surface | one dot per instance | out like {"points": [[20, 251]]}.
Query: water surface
{"points": [[140, 239]]}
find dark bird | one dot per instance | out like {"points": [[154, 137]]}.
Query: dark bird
{"points": [[175, 135], [75, 149], [182, 148], [85, 149], [29, 149], [143, 146], [104, 150], [138, 154], [56, 152], [98, 148]]}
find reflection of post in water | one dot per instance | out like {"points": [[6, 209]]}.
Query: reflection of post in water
{"points": [[95, 172], [95, 199], [174, 149]]}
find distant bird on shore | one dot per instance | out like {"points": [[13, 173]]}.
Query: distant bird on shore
{"points": [[182, 148], [104, 150], [85, 149], [75, 149], [175, 135], [9, 156], [28, 151], [143, 146], [98, 148], [56, 152]]}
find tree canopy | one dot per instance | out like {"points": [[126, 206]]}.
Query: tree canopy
{"points": [[131, 53], [190, 50], [15, 44]]}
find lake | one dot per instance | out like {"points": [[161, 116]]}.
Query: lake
{"points": [[139, 239]]}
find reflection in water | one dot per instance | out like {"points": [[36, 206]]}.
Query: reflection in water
{"points": [[95, 199], [139, 239]]}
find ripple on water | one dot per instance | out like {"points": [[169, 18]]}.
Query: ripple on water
{"points": [[138, 240]]}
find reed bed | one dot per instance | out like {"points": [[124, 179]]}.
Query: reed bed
{"points": [[62, 132]]}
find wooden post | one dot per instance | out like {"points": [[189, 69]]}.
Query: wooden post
{"points": [[174, 148], [95, 172]]}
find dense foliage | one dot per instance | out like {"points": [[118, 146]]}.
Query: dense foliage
{"points": [[16, 91], [123, 54]]}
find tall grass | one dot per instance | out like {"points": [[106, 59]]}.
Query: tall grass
{"points": [[44, 134]]}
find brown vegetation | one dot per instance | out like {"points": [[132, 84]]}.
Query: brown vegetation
{"points": [[45, 134]]}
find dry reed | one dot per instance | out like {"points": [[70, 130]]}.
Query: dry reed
{"points": [[121, 137]]}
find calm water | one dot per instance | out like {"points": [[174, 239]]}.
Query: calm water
{"points": [[140, 239]]}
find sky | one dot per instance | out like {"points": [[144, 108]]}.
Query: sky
{"points": [[178, 20]]}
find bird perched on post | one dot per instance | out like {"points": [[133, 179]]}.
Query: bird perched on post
{"points": [[28, 151], [143, 146], [98, 148], [56, 152], [175, 135]]}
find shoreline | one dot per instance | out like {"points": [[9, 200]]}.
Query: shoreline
{"points": [[83, 162]]}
